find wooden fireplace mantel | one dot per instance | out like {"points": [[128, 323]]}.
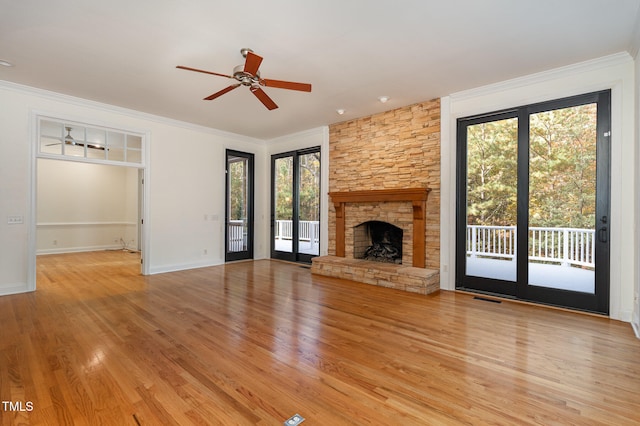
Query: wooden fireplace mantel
{"points": [[417, 197]]}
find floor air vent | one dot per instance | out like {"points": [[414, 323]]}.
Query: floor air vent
{"points": [[294, 420], [487, 300]]}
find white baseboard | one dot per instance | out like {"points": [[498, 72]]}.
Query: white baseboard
{"points": [[14, 288], [77, 249], [183, 267]]}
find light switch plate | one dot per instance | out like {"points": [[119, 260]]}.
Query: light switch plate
{"points": [[15, 220]]}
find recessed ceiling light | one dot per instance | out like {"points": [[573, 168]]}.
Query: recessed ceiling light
{"points": [[5, 63], [383, 99], [340, 111]]}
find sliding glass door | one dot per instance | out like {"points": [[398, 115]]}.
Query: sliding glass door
{"points": [[533, 202], [295, 223], [239, 206]]}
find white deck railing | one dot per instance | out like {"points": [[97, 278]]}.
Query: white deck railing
{"points": [[309, 230], [237, 234], [566, 246]]}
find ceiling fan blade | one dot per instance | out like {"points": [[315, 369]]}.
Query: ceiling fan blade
{"points": [[279, 84], [203, 71], [222, 92], [264, 98], [252, 63]]}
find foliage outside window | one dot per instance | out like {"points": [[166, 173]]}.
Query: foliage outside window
{"points": [[562, 169], [309, 186]]}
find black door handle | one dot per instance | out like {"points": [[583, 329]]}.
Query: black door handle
{"points": [[602, 234]]}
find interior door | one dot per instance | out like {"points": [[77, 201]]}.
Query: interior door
{"points": [[295, 223], [239, 206], [533, 203]]}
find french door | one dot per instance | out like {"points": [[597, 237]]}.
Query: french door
{"points": [[295, 202], [239, 206], [533, 203]]}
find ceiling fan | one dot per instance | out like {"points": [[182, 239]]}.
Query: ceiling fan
{"points": [[247, 74], [69, 140]]}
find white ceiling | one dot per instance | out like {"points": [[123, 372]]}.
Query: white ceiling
{"points": [[124, 52]]}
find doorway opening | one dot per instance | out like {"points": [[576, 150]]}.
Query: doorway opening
{"points": [[87, 207], [87, 186]]}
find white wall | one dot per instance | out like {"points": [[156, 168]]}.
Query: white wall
{"points": [[184, 189], [615, 72], [85, 207]]}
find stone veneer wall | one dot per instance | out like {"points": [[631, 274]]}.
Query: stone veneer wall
{"points": [[394, 149]]}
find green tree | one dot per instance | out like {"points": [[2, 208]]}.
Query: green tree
{"points": [[284, 188], [309, 203], [308, 184], [562, 169], [492, 154], [238, 189]]}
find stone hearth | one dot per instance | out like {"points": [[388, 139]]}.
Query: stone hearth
{"points": [[400, 277]]}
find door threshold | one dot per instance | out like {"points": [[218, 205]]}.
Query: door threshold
{"points": [[291, 262], [502, 298]]}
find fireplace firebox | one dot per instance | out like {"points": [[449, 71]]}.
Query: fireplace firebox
{"points": [[378, 241]]}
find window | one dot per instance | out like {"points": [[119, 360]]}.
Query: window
{"points": [[78, 141]]}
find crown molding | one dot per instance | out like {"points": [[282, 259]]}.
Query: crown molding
{"points": [[590, 65], [634, 44], [295, 136], [60, 97]]}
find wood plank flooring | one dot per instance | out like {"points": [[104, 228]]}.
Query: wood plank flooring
{"points": [[257, 342]]}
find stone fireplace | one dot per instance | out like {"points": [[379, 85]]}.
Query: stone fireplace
{"points": [[382, 168], [402, 208], [393, 214]]}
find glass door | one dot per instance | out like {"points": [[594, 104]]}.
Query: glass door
{"points": [[295, 220], [490, 229], [239, 206], [533, 203]]}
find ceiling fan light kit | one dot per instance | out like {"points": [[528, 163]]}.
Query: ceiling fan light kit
{"points": [[248, 74], [68, 139]]}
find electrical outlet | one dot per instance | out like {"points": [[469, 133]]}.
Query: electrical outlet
{"points": [[205, 252]]}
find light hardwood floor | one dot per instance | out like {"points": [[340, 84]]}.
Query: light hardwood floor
{"points": [[257, 342]]}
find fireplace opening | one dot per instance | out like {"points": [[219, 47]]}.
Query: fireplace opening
{"points": [[378, 241]]}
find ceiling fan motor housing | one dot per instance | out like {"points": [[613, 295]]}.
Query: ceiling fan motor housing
{"points": [[244, 77]]}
